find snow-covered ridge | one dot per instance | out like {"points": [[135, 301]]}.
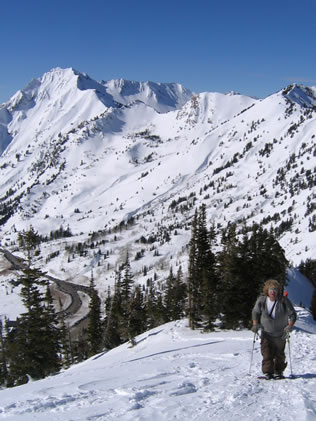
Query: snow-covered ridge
{"points": [[163, 97], [303, 95], [91, 155], [62, 98]]}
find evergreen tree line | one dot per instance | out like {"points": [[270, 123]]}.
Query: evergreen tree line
{"points": [[222, 285], [221, 288], [133, 309]]}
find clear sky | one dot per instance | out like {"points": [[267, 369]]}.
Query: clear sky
{"points": [[249, 46]]}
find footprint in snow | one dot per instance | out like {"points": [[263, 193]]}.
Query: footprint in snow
{"points": [[185, 389]]}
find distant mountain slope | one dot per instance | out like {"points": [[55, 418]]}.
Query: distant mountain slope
{"points": [[63, 98], [163, 97], [93, 156]]}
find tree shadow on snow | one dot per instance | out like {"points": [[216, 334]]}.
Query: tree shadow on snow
{"points": [[172, 350], [150, 334]]}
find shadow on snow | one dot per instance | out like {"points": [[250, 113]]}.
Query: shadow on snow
{"points": [[172, 350]]}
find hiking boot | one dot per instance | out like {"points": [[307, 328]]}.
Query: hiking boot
{"points": [[278, 373]]}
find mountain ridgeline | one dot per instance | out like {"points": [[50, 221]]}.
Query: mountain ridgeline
{"points": [[122, 166]]}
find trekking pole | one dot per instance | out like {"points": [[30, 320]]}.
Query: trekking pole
{"points": [[253, 347], [288, 342]]}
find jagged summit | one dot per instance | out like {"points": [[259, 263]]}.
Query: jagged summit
{"points": [[58, 83], [303, 95], [54, 103], [163, 97], [62, 98]]}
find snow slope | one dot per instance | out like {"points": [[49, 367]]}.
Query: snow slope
{"points": [[174, 373]]}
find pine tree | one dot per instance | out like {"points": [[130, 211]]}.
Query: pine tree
{"points": [[95, 329], [180, 295], [202, 282], [25, 339], [51, 335], [155, 310], [175, 295], [126, 284], [273, 262], [193, 281], [114, 317], [126, 330], [33, 345], [206, 264], [137, 316], [28, 241], [169, 296], [229, 294]]}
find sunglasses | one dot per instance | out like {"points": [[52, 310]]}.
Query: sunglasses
{"points": [[273, 289]]}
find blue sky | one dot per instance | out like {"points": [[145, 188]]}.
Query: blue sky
{"points": [[252, 47]]}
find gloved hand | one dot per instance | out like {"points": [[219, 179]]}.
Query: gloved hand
{"points": [[287, 330], [255, 328]]}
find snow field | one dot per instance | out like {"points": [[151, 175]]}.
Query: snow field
{"points": [[174, 373]]}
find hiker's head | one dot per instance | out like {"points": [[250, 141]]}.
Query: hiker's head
{"points": [[272, 289]]}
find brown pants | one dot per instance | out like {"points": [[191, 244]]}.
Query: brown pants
{"points": [[272, 350]]}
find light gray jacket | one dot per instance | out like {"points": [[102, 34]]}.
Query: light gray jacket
{"points": [[284, 312]]}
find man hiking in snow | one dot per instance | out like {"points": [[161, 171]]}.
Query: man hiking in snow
{"points": [[275, 315]]}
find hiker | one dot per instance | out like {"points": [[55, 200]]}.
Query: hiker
{"points": [[275, 315]]}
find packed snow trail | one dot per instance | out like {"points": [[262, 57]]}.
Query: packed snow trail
{"points": [[174, 373]]}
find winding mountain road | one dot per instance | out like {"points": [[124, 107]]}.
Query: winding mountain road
{"points": [[66, 287]]}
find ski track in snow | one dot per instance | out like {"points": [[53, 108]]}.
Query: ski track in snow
{"points": [[175, 374]]}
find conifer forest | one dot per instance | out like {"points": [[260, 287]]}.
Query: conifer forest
{"points": [[222, 282]]}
